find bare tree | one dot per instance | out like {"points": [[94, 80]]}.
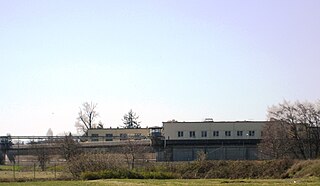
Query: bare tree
{"points": [[133, 150], [87, 117], [275, 142], [297, 129], [69, 147], [202, 156], [43, 154], [130, 120]]}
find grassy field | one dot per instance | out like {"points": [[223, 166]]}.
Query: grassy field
{"points": [[202, 182]]}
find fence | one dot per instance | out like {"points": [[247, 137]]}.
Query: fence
{"points": [[30, 170]]}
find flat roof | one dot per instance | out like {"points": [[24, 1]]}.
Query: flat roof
{"points": [[216, 121], [117, 128]]}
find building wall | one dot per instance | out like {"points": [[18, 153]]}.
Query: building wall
{"points": [[173, 130], [184, 140], [117, 134]]}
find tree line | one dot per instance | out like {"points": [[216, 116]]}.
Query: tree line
{"points": [[88, 115], [293, 131]]}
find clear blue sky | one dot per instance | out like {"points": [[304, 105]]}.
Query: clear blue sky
{"points": [[183, 60]]}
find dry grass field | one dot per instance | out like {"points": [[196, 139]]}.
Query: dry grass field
{"points": [[300, 173]]}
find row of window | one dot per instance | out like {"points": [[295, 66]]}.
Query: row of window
{"points": [[192, 134], [109, 137], [122, 135]]}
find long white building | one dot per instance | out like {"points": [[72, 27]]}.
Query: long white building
{"points": [[225, 140], [212, 130]]}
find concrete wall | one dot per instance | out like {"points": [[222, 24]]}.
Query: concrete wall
{"points": [[181, 153]]}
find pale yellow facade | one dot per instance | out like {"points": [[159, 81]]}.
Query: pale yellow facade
{"points": [[117, 134]]}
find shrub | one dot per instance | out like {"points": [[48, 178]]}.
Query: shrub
{"points": [[94, 163], [126, 174], [234, 169], [111, 167], [305, 168]]}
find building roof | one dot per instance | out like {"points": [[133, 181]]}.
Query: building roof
{"points": [[216, 121]]}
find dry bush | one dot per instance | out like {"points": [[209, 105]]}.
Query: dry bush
{"points": [[196, 169], [90, 162], [127, 174], [303, 169], [234, 169]]}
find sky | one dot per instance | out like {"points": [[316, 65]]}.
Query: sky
{"points": [[171, 59]]}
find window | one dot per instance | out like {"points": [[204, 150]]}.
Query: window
{"points": [[109, 137], [203, 134], [95, 137], [180, 133], [216, 133], [227, 133], [192, 134], [251, 133], [123, 136], [239, 133], [137, 136]]}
